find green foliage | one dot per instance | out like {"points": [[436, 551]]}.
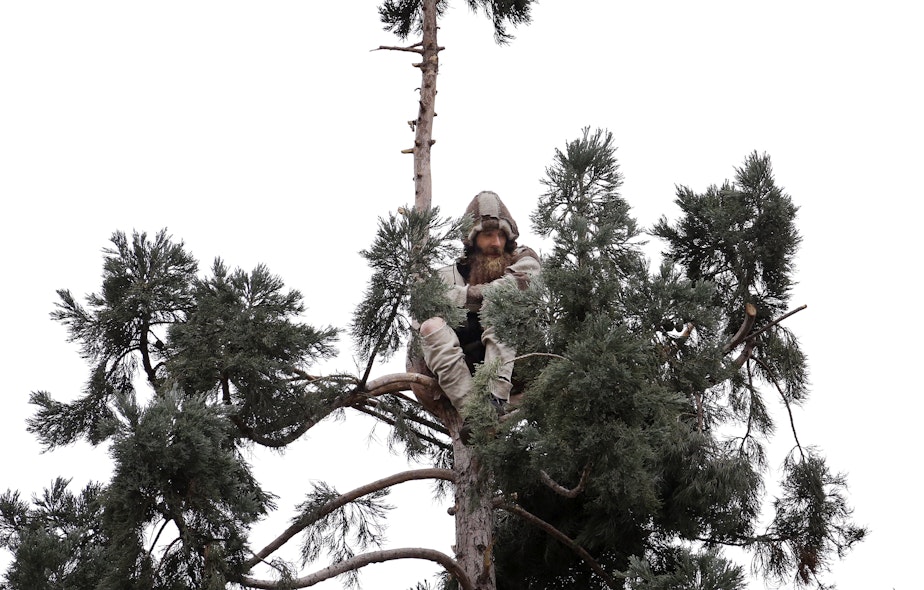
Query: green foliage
{"points": [[146, 287], [684, 570], [740, 236], [812, 521], [641, 435], [176, 463], [224, 358], [403, 17], [340, 531], [241, 342], [405, 249], [57, 543], [649, 412]]}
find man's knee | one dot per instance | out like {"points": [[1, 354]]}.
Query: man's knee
{"points": [[431, 326]]}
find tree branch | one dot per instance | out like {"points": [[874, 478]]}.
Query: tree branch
{"points": [[562, 490], [776, 321], [565, 540], [375, 350], [415, 48], [750, 316], [307, 519], [792, 422], [373, 404], [391, 421], [365, 559], [396, 382], [275, 443]]}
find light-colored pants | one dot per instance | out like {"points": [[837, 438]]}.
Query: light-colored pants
{"points": [[443, 355]]}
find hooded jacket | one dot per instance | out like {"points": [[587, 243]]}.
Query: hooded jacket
{"points": [[489, 212]]}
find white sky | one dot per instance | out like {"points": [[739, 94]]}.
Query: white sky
{"points": [[268, 132]]}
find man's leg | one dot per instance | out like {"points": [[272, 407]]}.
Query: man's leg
{"points": [[443, 355], [494, 349]]}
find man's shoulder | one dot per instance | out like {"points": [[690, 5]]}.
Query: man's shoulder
{"points": [[524, 252]]}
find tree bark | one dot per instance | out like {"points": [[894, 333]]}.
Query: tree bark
{"points": [[474, 513], [429, 68]]}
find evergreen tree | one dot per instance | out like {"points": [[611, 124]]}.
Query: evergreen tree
{"points": [[637, 454]]}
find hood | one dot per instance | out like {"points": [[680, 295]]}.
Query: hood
{"points": [[489, 212]]}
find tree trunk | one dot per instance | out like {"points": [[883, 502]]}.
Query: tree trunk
{"points": [[429, 67], [474, 514]]}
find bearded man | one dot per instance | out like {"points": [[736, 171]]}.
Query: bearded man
{"points": [[491, 256]]}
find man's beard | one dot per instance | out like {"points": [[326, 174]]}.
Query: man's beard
{"points": [[485, 269]]}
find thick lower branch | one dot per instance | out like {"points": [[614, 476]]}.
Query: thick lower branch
{"points": [[344, 499], [363, 560], [398, 382]]}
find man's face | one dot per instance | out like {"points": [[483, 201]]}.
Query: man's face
{"points": [[491, 242]]}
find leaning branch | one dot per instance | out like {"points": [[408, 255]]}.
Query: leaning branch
{"points": [[365, 559], [776, 321], [306, 520], [565, 540]]}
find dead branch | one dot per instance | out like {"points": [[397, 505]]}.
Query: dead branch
{"points": [[565, 540], [776, 321], [562, 490], [308, 519], [750, 316], [415, 48], [365, 559]]}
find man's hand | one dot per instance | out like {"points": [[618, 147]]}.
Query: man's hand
{"points": [[474, 295]]}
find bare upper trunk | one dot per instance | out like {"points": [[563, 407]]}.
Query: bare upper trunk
{"points": [[429, 67]]}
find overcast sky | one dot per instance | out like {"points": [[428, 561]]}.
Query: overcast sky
{"points": [[269, 132]]}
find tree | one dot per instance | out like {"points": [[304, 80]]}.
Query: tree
{"points": [[637, 454]]}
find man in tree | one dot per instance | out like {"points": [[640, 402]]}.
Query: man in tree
{"points": [[491, 256]]}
